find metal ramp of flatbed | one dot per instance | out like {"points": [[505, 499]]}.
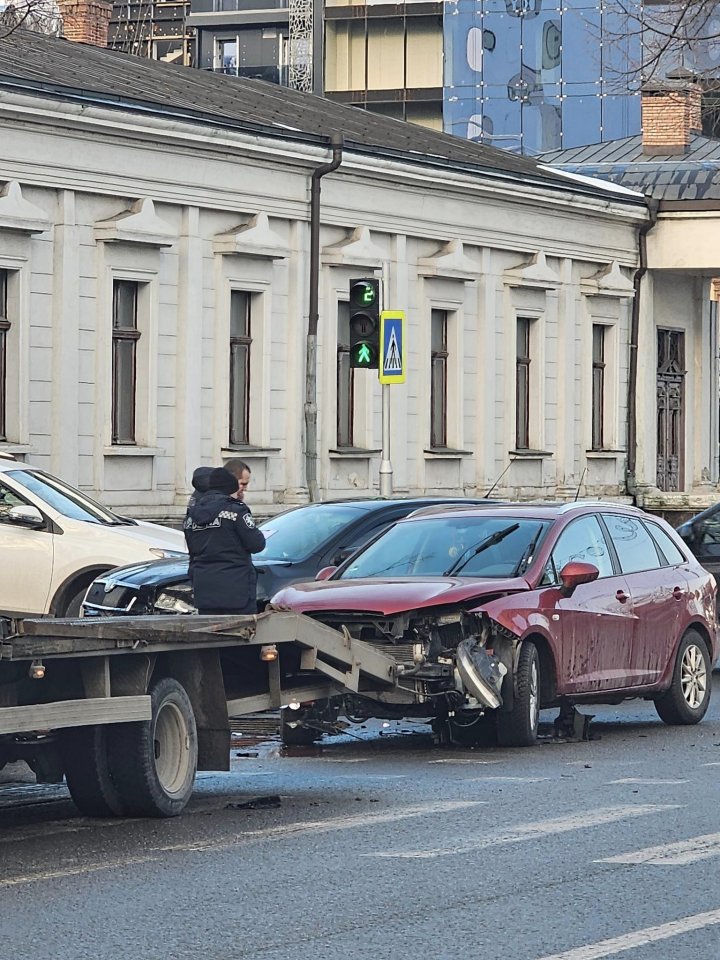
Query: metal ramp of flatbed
{"points": [[339, 660]]}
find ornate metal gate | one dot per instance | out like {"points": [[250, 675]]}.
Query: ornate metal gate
{"points": [[670, 409]]}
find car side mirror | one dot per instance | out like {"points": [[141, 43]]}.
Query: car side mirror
{"points": [[325, 573], [576, 572], [25, 516]]}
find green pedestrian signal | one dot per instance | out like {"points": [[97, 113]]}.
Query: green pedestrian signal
{"points": [[365, 323], [362, 355]]}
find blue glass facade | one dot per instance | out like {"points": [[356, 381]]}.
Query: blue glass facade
{"points": [[536, 75]]}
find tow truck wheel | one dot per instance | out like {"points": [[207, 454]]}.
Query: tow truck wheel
{"points": [[154, 761], [519, 726], [87, 772]]}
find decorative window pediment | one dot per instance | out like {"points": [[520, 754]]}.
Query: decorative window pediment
{"points": [[356, 250], [610, 281], [17, 213], [533, 273], [253, 239], [140, 224], [449, 262]]}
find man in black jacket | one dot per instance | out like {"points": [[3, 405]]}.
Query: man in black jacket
{"points": [[221, 536]]}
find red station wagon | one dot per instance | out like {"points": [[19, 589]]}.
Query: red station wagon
{"points": [[495, 612]]}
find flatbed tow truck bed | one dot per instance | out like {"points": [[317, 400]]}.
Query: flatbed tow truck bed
{"points": [[128, 708]]}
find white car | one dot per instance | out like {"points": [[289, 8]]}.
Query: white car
{"points": [[54, 541]]}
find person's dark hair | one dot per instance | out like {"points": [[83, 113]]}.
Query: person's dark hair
{"points": [[236, 466], [224, 481]]}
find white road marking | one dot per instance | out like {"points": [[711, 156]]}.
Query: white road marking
{"points": [[714, 763], [531, 831], [457, 760], [356, 821], [640, 938], [648, 781], [672, 854]]}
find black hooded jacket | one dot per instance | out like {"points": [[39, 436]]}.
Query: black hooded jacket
{"points": [[221, 535]]}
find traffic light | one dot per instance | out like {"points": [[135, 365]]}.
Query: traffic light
{"points": [[365, 323]]}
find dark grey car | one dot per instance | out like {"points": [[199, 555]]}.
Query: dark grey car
{"points": [[300, 542]]}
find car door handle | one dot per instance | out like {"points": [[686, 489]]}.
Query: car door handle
{"points": [[622, 596], [678, 593]]}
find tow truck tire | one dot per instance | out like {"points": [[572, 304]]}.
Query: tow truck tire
{"points": [[687, 699], [87, 772], [519, 726], [154, 761]]}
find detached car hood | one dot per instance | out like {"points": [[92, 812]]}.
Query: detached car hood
{"points": [[389, 595]]}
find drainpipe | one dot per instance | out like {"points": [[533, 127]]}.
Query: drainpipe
{"points": [[336, 142], [631, 467]]}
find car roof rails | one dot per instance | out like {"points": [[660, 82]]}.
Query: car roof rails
{"points": [[455, 505], [604, 504]]}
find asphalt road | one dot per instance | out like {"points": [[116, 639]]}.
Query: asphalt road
{"points": [[390, 848]]}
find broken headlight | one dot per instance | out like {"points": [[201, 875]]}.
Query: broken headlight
{"points": [[178, 602]]}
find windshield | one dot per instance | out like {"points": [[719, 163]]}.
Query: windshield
{"points": [[441, 546], [65, 499], [298, 533]]}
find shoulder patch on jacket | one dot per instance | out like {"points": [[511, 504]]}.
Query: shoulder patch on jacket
{"points": [[249, 522]]}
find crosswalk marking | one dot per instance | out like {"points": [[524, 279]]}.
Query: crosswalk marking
{"points": [[672, 854], [530, 831], [639, 938], [648, 781]]}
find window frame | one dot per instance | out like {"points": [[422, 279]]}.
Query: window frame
{"points": [[523, 376], [5, 327], [344, 382], [239, 436], [599, 387], [121, 335], [439, 360]]}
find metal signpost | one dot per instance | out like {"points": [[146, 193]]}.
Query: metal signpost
{"points": [[392, 368]]}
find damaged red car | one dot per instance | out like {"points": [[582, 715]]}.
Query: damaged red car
{"points": [[492, 613]]}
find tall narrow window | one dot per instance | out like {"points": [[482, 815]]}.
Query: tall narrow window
{"points": [[598, 387], [4, 328], [240, 341], [438, 377], [125, 335], [522, 385], [345, 379]]}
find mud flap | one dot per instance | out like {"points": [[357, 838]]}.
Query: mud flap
{"points": [[481, 673]]}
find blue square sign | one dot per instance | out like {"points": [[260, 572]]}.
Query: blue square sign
{"points": [[393, 366]]}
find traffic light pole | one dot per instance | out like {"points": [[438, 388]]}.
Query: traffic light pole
{"points": [[386, 470]]}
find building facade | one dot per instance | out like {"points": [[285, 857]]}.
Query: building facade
{"points": [[154, 285]]}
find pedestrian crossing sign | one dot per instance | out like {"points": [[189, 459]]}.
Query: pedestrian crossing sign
{"points": [[393, 364]]}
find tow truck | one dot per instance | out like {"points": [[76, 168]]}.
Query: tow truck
{"points": [[127, 709]]}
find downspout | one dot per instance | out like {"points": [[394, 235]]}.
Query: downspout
{"points": [[336, 142], [631, 466]]}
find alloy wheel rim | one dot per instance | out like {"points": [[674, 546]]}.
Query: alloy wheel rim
{"points": [[693, 677]]}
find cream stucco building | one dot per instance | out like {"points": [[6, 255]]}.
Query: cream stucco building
{"points": [[155, 278]]}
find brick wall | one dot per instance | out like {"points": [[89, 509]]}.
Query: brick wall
{"points": [[86, 21], [669, 118]]}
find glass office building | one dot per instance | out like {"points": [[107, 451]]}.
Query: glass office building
{"points": [[536, 75]]}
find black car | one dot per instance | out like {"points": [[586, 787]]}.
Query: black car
{"points": [[300, 542], [702, 534]]}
